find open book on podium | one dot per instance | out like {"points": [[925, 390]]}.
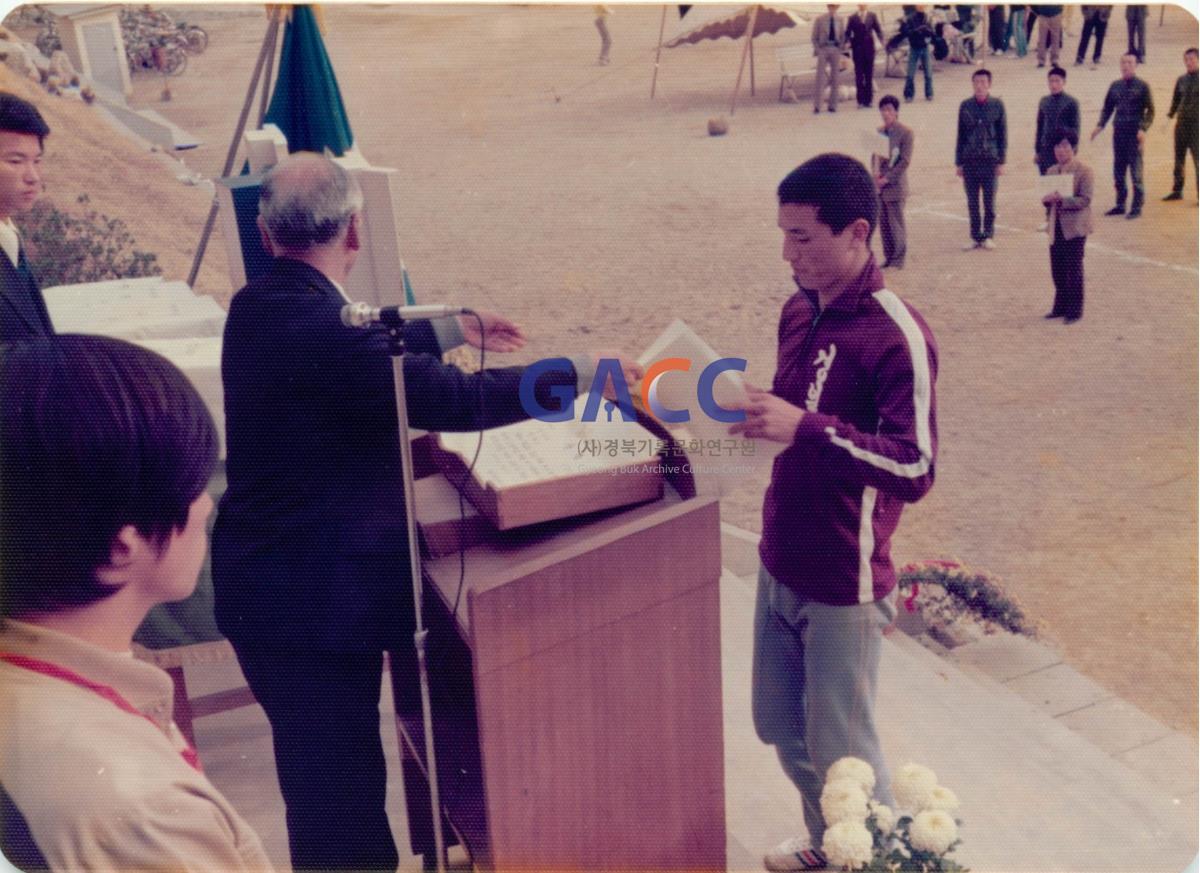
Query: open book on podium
{"points": [[536, 471]]}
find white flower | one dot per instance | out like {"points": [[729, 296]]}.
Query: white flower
{"points": [[942, 798], [847, 844], [933, 831], [852, 768], [843, 800], [913, 787], [885, 818]]}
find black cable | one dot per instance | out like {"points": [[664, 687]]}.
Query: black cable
{"points": [[462, 507]]}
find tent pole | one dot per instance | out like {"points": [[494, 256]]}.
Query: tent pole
{"points": [[751, 60], [662, 26], [268, 40], [737, 86]]}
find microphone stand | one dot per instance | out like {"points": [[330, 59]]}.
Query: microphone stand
{"points": [[394, 323]]}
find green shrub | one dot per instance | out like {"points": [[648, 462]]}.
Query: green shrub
{"points": [[65, 248]]}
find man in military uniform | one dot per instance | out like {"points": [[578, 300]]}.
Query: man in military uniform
{"points": [[1187, 120], [1131, 107]]}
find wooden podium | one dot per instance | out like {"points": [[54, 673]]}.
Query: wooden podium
{"points": [[577, 692]]}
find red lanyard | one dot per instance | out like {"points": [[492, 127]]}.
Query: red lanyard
{"points": [[188, 753]]}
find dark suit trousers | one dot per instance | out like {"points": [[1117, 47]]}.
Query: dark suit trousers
{"points": [[1090, 26], [1137, 38], [979, 178], [1066, 268], [1185, 140], [324, 712], [864, 75], [891, 231], [1127, 157]]}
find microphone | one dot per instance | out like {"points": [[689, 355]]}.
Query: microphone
{"points": [[364, 314]]}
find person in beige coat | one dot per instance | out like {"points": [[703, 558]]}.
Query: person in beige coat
{"points": [[107, 451], [1072, 222], [892, 182], [828, 37]]}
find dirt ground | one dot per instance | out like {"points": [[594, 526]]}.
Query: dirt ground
{"points": [[556, 191]]}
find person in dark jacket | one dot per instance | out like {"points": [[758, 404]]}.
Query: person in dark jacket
{"points": [[1131, 107], [853, 403], [979, 155], [1135, 26], [1186, 113], [998, 28], [1057, 110], [917, 29], [310, 549], [862, 28], [1095, 21], [23, 312]]}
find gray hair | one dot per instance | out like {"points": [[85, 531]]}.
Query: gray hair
{"points": [[307, 200]]}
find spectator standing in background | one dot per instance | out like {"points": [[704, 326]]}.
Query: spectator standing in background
{"points": [[1072, 217], [892, 183], [1135, 26], [1049, 33], [1095, 21], [1016, 27], [1187, 119], [1131, 107], [979, 155], [602, 13], [1056, 111], [828, 37], [861, 30], [919, 32]]}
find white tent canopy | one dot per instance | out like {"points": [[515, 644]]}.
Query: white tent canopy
{"points": [[734, 21]]}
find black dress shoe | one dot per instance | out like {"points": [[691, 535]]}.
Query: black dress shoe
{"points": [[1053, 315], [1116, 210], [1071, 319], [1135, 212], [1174, 195]]}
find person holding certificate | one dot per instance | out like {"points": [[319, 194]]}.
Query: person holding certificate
{"points": [[1071, 222]]}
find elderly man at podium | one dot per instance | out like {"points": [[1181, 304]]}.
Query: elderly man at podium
{"points": [[310, 552], [853, 401]]}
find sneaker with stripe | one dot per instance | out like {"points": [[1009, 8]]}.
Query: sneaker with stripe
{"points": [[794, 854]]}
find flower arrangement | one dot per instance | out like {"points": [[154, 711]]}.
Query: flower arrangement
{"points": [[950, 587], [863, 834]]}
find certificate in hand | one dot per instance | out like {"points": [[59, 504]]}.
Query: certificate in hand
{"points": [[1056, 184]]}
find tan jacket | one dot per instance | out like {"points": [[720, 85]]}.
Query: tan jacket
{"points": [[900, 150], [1075, 212], [104, 789], [820, 33]]}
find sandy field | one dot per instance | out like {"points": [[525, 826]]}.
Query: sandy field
{"points": [[554, 190]]}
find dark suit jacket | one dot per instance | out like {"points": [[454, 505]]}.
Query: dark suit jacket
{"points": [[23, 313], [861, 33], [310, 544]]}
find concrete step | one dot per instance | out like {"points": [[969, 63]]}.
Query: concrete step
{"points": [[1054, 773]]}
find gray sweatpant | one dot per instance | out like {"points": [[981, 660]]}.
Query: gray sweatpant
{"points": [[813, 691]]}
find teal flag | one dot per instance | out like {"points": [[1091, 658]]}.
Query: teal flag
{"points": [[306, 104]]}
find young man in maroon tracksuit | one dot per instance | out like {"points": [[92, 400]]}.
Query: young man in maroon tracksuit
{"points": [[853, 399]]}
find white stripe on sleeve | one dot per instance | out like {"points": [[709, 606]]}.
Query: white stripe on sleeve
{"points": [[922, 394]]}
